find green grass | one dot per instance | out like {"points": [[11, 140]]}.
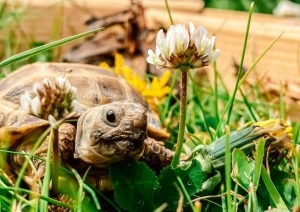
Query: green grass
{"points": [[213, 112]]}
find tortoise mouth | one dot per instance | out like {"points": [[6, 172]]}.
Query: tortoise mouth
{"points": [[103, 152], [125, 141], [119, 147]]}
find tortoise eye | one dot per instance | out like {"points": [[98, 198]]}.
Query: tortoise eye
{"points": [[110, 116]]}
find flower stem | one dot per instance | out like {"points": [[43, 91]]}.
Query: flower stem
{"points": [[169, 12], [182, 118], [55, 162]]}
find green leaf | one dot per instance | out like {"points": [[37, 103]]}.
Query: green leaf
{"points": [[276, 191], [167, 192], [134, 184], [242, 169], [209, 185], [288, 191], [191, 176], [286, 186]]}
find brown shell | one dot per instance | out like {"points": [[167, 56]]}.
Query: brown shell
{"points": [[95, 86]]}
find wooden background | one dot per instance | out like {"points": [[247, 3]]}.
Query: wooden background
{"points": [[281, 63]]}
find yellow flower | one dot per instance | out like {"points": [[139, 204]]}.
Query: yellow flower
{"points": [[154, 91], [119, 64], [279, 135], [157, 90], [276, 127], [104, 65]]}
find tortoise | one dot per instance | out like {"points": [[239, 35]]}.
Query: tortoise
{"points": [[113, 121]]}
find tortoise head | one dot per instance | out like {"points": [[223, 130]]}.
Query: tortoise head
{"points": [[110, 133]]}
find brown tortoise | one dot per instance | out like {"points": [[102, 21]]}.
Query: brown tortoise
{"points": [[112, 120]]}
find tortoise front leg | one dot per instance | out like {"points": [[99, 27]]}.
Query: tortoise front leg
{"points": [[66, 142], [155, 155]]}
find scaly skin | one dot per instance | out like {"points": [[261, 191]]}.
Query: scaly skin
{"points": [[44, 89], [105, 134]]}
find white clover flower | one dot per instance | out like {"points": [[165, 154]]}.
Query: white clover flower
{"points": [[63, 84], [36, 106], [154, 58], [25, 101], [185, 48], [74, 105], [162, 44], [52, 120], [179, 39], [47, 83], [36, 88], [57, 100]]}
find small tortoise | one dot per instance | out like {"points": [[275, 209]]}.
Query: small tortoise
{"points": [[112, 120]]}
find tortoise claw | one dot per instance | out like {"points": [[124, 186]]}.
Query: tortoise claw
{"points": [[32, 180], [156, 155]]}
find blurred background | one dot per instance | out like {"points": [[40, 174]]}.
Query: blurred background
{"points": [[131, 26]]}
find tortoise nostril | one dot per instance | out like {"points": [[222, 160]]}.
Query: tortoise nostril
{"points": [[110, 116]]}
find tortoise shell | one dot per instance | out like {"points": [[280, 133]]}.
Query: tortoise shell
{"points": [[95, 86]]}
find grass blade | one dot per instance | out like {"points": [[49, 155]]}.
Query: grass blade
{"points": [[185, 193], [26, 191], [216, 98], [30, 156], [244, 77], [281, 102], [259, 156], [249, 107], [167, 105], [169, 11], [274, 194], [296, 168], [228, 170], [241, 64], [197, 100], [229, 104], [45, 47], [258, 59], [46, 181]]}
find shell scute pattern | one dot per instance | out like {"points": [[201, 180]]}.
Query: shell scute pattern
{"points": [[14, 94], [100, 133], [100, 90], [95, 86]]}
